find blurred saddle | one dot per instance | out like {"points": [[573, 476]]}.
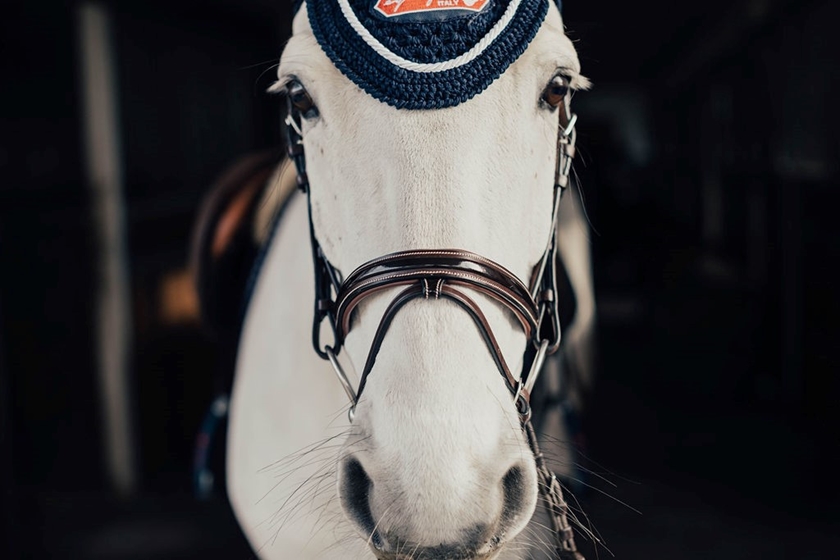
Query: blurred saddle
{"points": [[233, 224]]}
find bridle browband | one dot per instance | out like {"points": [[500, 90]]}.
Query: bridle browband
{"points": [[444, 274]]}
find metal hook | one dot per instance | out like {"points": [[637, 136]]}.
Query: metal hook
{"points": [[571, 126], [536, 366], [290, 121], [343, 379]]}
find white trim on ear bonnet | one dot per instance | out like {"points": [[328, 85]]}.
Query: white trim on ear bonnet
{"points": [[424, 54]]}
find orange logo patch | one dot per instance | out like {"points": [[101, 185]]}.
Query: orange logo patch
{"points": [[391, 8]]}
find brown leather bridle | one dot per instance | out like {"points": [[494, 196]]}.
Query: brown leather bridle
{"points": [[445, 273]]}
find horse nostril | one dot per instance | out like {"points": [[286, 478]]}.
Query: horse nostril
{"points": [[513, 484], [354, 489]]}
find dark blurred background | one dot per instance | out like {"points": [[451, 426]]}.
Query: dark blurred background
{"points": [[709, 166]]}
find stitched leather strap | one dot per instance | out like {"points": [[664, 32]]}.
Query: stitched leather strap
{"points": [[439, 274]]}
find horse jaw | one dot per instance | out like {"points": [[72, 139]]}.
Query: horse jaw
{"points": [[436, 434]]}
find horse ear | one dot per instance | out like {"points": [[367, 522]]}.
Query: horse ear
{"points": [[224, 246], [296, 4]]}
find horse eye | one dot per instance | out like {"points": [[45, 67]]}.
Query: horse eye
{"points": [[556, 91], [301, 99]]}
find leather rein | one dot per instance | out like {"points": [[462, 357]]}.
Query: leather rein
{"points": [[444, 274]]}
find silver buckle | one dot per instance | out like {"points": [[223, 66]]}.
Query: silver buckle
{"points": [[536, 366], [290, 121], [343, 379]]}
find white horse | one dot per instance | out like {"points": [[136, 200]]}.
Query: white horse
{"points": [[434, 463]]}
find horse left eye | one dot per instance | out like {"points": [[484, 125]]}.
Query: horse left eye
{"points": [[556, 91]]}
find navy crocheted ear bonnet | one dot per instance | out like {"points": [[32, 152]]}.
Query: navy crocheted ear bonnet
{"points": [[424, 54]]}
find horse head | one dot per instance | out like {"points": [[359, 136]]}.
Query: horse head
{"points": [[454, 155]]}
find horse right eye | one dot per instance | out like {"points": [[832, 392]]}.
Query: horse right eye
{"points": [[301, 100]]}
